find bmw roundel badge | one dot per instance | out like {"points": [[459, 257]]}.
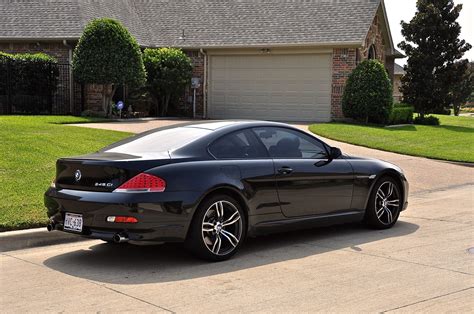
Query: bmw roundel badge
{"points": [[77, 175]]}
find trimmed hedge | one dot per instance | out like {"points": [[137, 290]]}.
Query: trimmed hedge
{"points": [[32, 79], [426, 120], [368, 93], [108, 54], [401, 114]]}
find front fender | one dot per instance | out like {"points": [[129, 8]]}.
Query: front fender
{"points": [[367, 172]]}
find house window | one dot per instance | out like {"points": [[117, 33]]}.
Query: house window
{"points": [[372, 53]]}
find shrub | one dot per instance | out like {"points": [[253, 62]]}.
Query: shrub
{"points": [[31, 75], [169, 71], [93, 114], [426, 120], [4, 58], [368, 93], [401, 114], [107, 54], [35, 74]]}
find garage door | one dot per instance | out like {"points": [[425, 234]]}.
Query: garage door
{"points": [[276, 87]]}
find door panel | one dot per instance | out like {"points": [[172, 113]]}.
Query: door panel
{"points": [[306, 189], [243, 158], [308, 182], [258, 178]]}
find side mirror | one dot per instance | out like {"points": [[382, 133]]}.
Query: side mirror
{"points": [[335, 153]]}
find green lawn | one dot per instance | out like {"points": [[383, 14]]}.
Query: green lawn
{"points": [[29, 147], [452, 140]]}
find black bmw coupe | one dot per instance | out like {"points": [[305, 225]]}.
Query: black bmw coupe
{"points": [[212, 184]]}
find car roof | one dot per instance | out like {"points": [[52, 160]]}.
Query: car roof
{"points": [[214, 125]]}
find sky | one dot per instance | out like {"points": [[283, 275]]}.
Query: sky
{"points": [[398, 10]]}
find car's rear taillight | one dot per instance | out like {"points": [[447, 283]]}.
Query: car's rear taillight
{"points": [[143, 182]]}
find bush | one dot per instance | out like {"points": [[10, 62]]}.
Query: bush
{"points": [[31, 75], [426, 120], [93, 114], [35, 74], [169, 71], [4, 58], [401, 114], [107, 54], [368, 93]]}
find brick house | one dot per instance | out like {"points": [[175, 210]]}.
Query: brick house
{"points": [[397, 82], [259, 59]]}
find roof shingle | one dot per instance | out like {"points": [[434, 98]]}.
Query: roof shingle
{"points": [[398, 70], [206, 23]]}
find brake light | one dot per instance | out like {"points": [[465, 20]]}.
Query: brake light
{"points": [[143, 182]]}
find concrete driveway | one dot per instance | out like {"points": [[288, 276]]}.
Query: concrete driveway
{"points": [[422, 264]]}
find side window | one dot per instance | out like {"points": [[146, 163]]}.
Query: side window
{"points": [[287, 143], [238, 145]]}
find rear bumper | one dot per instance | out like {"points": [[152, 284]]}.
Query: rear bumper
{"points": [[157, 233], [161, 216]]}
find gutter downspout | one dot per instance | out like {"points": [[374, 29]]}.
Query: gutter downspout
{"points": [[71, 82], [204, 85]]}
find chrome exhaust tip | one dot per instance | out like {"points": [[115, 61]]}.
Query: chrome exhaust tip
{"points": [[50, 227], [120, 238]]}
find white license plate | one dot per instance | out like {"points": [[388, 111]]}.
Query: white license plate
{"points": [[73, 222]]}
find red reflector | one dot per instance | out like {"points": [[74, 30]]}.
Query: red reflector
{"points": [[143, 182], [123, 219]]}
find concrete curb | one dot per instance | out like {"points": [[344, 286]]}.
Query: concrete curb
{"points": [[29, 238]]}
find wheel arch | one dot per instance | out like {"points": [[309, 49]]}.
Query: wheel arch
{"points": [[226, 190], [387, 173]]}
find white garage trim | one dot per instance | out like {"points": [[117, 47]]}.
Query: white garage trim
{"points": [[282, 87]]}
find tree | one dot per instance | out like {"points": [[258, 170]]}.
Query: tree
{"points": [[107, 54], [433, 47], [461, 93], [368, 93], [169, 71]]}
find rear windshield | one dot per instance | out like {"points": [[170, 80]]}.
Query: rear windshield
{"points": [[158, 142]]}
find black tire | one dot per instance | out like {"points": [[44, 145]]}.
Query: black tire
{"points": [[205, 243], [382, 214]]}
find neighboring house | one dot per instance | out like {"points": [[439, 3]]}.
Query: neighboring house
{"points": [[397, 83], [259, 59]]}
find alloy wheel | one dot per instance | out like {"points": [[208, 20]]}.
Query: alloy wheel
{"points": [[387, 203], [221, 228]]}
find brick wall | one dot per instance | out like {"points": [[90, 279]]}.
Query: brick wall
{"points": [[54, 49], [374, 37], [397, 94], [344, 60], [93, 97], [58, 50], [198, 71]]}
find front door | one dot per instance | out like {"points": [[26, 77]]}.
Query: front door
{"points": [[308, 182]]}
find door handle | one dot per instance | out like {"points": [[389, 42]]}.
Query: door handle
{"points": [[285, 170]]}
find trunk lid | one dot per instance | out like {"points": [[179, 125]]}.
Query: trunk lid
{"points": [[101, 172]]}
